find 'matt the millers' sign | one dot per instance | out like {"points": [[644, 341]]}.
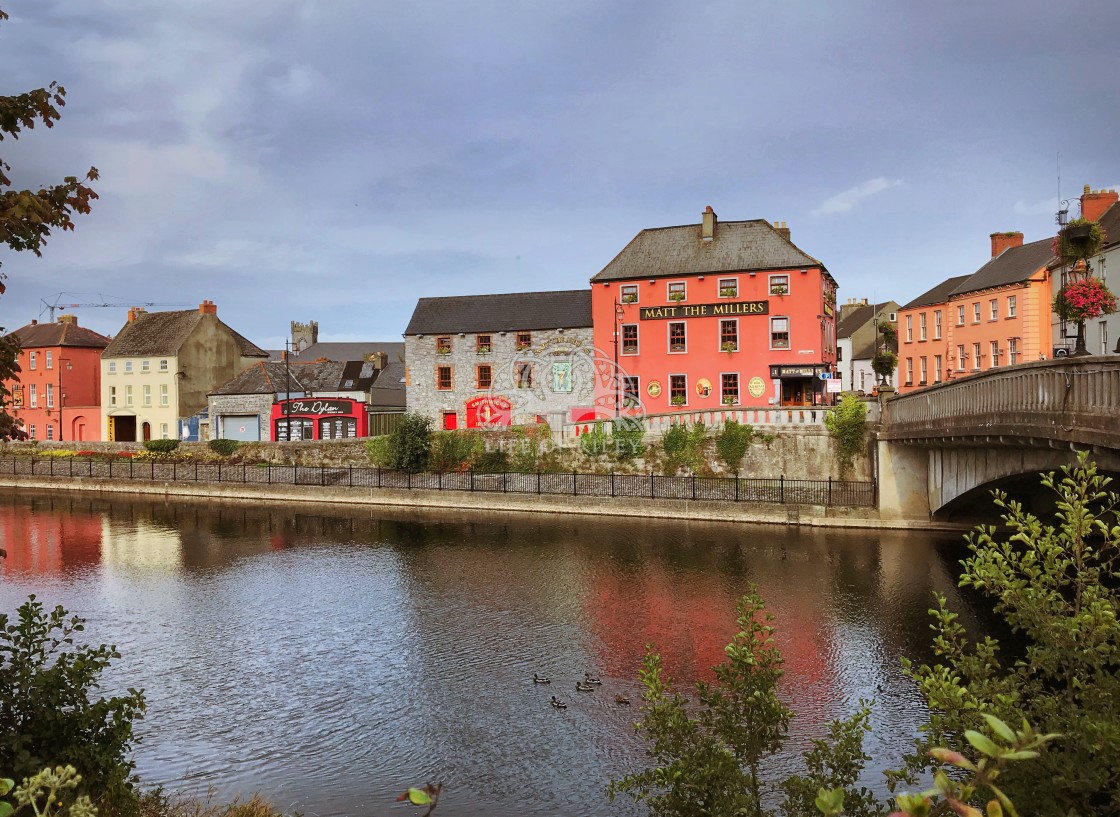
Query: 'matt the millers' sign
{"points": [[726, 309]]}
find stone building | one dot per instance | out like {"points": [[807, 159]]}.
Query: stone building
{"points": [[480, 361]]}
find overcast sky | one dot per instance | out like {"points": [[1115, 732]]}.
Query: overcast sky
{"points": [[334, 161]]}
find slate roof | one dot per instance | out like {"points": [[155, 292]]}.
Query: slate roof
{"points": [[854, 320], [36, 335], [328, 375], [939, 294], [260, 378], [736, 245], [163, 333], [1110, 223], [358, 350], [519, 311], [388, 390], [1012, 266]]}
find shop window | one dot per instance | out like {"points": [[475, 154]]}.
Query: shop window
{"points": [[729, 388], [630, 391], [484, 377], [676, 291], [1012, 304], [523, 375], [729, 287], [443, 345], [729, 336], [482, 345], [779, 284], [678, 389], [32, 359], [628, 294], [677, 340], [630, 339], [779, 333], [524, 341], [443, 378]]}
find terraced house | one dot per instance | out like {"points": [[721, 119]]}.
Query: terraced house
{"points": [[158, 370]]}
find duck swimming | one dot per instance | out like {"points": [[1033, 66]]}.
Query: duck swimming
{"points": [[540, 679], [622, 700], [582, 687], [557, 703], [588, 679]]}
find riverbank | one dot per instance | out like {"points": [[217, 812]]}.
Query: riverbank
{"points": [[816, 516]]}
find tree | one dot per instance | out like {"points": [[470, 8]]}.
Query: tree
{"points": [[732, 443], [1055, 587], [27, 217], [847, 425], [50, 714], [410, 443]]}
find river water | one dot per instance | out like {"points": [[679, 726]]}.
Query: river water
{"points": [[330, 657]]}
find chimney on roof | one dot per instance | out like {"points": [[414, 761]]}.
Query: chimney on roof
{"points": [[782, 229], [379, 360], [208, 308], [708, 223], [71, 319], [134, 313], [1005, 241], [1094, 203], [34, 322]]}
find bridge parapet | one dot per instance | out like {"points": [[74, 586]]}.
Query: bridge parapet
{"points": [[1043, 403]]}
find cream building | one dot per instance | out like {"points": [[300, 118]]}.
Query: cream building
{"points": [[158, 370]]}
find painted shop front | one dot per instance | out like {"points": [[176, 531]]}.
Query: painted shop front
{"points": [[318, 419]]}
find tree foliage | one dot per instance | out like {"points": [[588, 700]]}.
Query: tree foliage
{"points": [[1055, 585], [847, 425], [410, 442], [732, 443], [50, 713], [27, 217]]}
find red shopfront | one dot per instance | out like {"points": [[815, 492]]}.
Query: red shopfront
{"points": [[318, 419]]}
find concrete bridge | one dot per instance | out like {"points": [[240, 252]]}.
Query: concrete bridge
{"points": [[946, 444]]}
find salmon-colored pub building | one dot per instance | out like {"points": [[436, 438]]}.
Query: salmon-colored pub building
{"points": [[715, 314], [58, 394]]}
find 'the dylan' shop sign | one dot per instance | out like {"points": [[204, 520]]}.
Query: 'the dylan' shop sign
{"points": [[725, 309]]}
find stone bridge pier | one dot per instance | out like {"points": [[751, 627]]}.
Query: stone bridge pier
{"points": [[959, 438]]}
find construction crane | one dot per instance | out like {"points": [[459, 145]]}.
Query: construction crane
{"points": [[51, 307]]}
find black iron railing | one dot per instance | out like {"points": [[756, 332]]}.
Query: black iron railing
{"points": [[830, 492]]}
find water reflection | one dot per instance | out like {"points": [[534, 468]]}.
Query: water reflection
{"points": [[329, 656]]}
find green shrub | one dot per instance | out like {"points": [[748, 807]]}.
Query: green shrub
{"points": [[162, 446], [593, 443], [410, 443], [453, 450], [628, 434], [223, 447], [847, 424], [50, 712], [732, 443], [492, 461], [379, 451]]}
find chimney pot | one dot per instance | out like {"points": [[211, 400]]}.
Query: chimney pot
{"points": [[34, 322], [1005, 241], [1094, 203], [208, 307], [708, 224], [782, 229]]}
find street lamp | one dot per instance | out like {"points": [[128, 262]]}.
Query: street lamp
{"points": [[61, 419], [618, 314]]}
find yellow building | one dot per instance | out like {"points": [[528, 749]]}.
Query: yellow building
{"points": [[158, 370]]}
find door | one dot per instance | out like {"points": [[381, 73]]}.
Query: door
{"points": [[122, 429], [244, 427], [147, 429], [450, 420]]}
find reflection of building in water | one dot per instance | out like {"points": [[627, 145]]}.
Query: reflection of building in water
{"points": [[140, 544], [46, 542]]}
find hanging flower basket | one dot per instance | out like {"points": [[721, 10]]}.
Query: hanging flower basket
{"points": [[1084, 299], [1080, 239]]}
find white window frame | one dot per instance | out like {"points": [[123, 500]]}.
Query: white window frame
{"points": [[128, 395], [676, 286], [976, 312], [32, 359], [627, 290], [48, 355], [112, 395], [50, 395], [977, 357], [994, 354], [1012, 306], [961, 359], [1012, 351], [669, 337], [727, 283], [669, 388], [777, 279], [909, 328], [163, 365], [128, 367], [960, 315], [112, 367], [145, 365], [937, 324], [922, 326], [622, 343], [147, 393], [31, 431], [923, 369], [163, 430], [788, 333], [909, 371], [164, 399], [993, 308], [937, 368], [32, 396], [50, 431]]}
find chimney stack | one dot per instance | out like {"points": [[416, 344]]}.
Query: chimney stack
{"points": [[208, 308], [71, 319], [708, 223], [1094, 203], [134, 313], [782, 229], [1005, 241], [34, 322], [379, 360]]}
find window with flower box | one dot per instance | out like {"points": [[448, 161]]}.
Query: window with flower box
{"points": [[729, 287], [729, 388], [630, 339], [482, 344], [524, 341], [628, 294], [678, 390], [676, 291], [443, 345], [677, 339], [779, 284], [729, 335]]}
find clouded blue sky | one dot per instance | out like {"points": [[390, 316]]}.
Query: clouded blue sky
{"points": [[334, 161]]}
